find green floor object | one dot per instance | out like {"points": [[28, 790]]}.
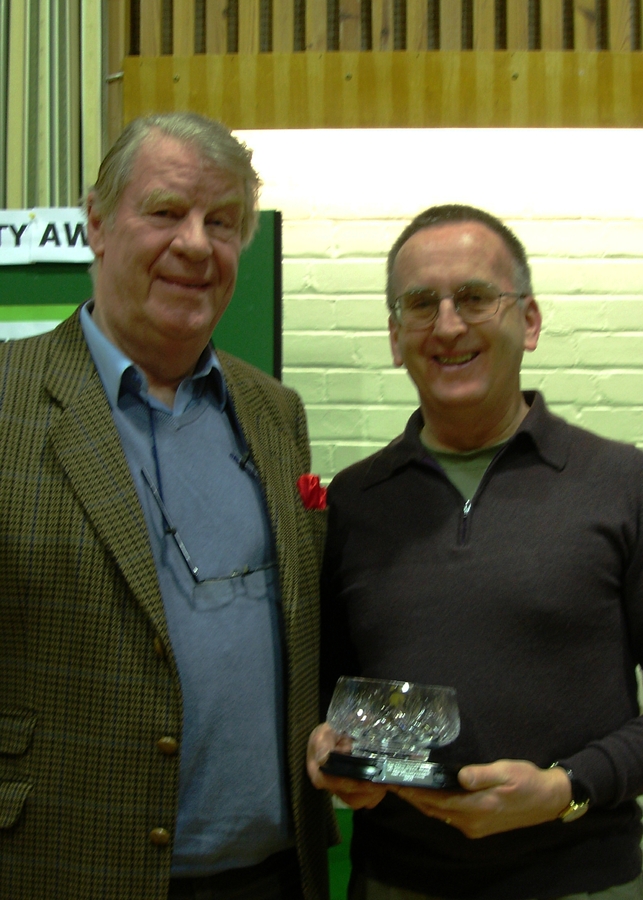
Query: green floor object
{"points": [[339, 857]]}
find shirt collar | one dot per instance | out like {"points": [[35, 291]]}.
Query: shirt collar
{"points": [[119, 374], [547, 433]]}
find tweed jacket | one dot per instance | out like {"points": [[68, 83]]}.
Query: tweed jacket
{"points": [[88, 681]]}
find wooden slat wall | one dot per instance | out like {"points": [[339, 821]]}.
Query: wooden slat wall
{"points": [[453, 18], [51, 76], [118, 47], [393, 63], [358, 63]]}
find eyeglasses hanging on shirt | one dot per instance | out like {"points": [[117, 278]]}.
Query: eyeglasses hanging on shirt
{"points": [[210, 594]]}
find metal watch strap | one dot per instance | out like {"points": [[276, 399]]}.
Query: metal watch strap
{"points": [[579, 804]]}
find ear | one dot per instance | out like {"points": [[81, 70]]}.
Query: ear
{"points": [[95, 227], [533, 323], [394, 338]]}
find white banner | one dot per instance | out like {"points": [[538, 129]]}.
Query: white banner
{"points": [[43, 235]]}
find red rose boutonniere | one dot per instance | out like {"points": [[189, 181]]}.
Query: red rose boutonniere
{"points": [[312, 493]]}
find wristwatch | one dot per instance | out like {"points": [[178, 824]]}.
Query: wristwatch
{"points": [[579, 804]]}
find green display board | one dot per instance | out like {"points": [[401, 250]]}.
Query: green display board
{"points": [[35, 297]]}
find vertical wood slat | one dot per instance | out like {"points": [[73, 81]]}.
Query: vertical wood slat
{"points": [[382, 17], [584, 25], [44, 153], [517, 25], [316, 26], [483, 25], [151, 26], [118, 31], [216, 26], [619, 25], [4, 67], [416, 25], [248, 26], [182, 27], [636, 14], [20, 23], [450, 25], [93, 90], [282, 26], [64, 116], [551, 17], [349, 25]]}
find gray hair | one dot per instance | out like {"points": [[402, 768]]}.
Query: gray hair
{"points": [[212, 139], [453, 212]]}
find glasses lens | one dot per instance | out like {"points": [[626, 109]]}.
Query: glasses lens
{"points": [[476, 302], [419, 307]]}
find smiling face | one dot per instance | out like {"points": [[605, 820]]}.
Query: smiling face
{"points": [[464, 373], [166, 265]]}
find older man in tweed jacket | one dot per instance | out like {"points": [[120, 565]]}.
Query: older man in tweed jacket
{"points": [[128, 666]]}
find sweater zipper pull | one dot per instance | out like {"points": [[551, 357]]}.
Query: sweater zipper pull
{"points": [[467, 508]]}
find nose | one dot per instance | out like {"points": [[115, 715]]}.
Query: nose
{"points": [[191, 238], [448, 324]]}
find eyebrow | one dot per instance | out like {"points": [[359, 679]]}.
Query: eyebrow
{"points": [[160, 196]]}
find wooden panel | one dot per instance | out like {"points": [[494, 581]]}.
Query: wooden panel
{"points": [[216, 26], [118, 25], [382, 12], [282, 26], [349, 25], [619, 24], [183, 27], [151, 11], [392, 90], [450, 25], [483, 24], [584, 24], [316, 25], [517, 25], [416, 25]]}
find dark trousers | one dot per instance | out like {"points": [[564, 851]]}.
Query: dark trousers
{"points": [[276, 878]]}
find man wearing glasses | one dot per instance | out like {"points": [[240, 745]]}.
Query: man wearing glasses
{"points": [[497, 549], [159, 571]]}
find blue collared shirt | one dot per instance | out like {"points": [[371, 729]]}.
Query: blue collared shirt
{"points": [[225, 623]]}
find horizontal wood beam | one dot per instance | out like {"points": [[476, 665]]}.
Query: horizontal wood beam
{"points": [[490, 89]]}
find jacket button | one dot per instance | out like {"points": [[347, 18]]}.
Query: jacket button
{"points": [[159, 649], [168, 745], [160, 837]]}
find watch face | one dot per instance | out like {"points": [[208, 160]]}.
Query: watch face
{"points": [[574, 811]]}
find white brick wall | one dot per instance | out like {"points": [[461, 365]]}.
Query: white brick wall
{"points": [[575, 198]]}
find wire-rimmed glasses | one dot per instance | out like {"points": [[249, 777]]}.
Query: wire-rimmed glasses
{"points": [[418, 309]]}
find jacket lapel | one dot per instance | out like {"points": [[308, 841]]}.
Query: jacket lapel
{"points": [[277, 467], [87, 444]]}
